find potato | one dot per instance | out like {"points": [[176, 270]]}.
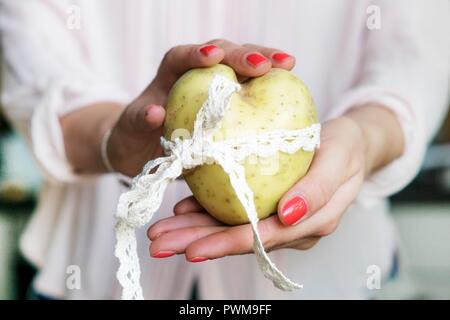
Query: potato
{"points": [[276, 100]]}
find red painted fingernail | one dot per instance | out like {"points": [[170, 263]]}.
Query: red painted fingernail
{"points": [[198, 259], [294, 210], [280, 56], [163, 254], [255, 59], [206, 50]]}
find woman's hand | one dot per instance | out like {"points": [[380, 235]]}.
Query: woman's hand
{"points": [[352, 147], [136, 130], [136, 137]]}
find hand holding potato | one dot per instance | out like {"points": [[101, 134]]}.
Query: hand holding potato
{"points": [[277, 101], [136, 129], [352, 147], [135, 137]]}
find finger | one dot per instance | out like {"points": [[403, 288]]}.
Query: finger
{"points": [[300, 244], [177, 241], [313, 191], [326, 220], [187, 205], [154, 116], [278, 58], [141, 119], [237, 240], [179, 222], [244, 61], [273, 233], [182, 58]]}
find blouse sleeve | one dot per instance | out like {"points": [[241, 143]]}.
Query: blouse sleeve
{"points": [[46, 74], [406, 69]]}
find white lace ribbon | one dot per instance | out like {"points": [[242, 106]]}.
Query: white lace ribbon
{"points": [[137, 206]]}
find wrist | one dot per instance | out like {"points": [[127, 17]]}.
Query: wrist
{"points": [[115, 150], [382, 135], [103, 134], [83, 131]]}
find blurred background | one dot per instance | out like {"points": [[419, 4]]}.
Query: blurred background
{"points": [[421, 212]]}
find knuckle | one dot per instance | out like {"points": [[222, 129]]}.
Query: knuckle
{"points": [[328, 228], [217, 41], [128, 119], [168, 58], [323, 193], [307, 245], [169, 53], [150, 233], [234, 244], [341, 149], [266, 234], [356, 163]]}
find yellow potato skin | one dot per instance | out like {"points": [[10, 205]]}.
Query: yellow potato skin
{"points": [[276, 100]]}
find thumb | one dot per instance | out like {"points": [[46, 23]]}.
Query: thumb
{"points": [[154, 116], [312, 192], [141, 120]]}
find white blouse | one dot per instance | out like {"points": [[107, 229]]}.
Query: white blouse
{"points": [[52, 67]]}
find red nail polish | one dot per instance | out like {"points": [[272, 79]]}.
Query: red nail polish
{"points": [[198, 259], [206, 50], [280, 56], [255, 59], [294, 210], [163, 254]]}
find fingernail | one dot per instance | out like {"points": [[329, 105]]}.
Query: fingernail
{"points": [[163, 254], [255, 59], [280, 56], [150, 107], [198, 259], [206, 50], [294, 210]]}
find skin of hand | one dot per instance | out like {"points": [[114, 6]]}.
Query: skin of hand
{"points": [[136, 129], [353, 146]]}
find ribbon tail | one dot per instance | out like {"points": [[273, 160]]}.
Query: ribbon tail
{"points": [[136, 208], [129, 271], [236, 173]]}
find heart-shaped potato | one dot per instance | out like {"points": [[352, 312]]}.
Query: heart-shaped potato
{"points": [[276, 100]]}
